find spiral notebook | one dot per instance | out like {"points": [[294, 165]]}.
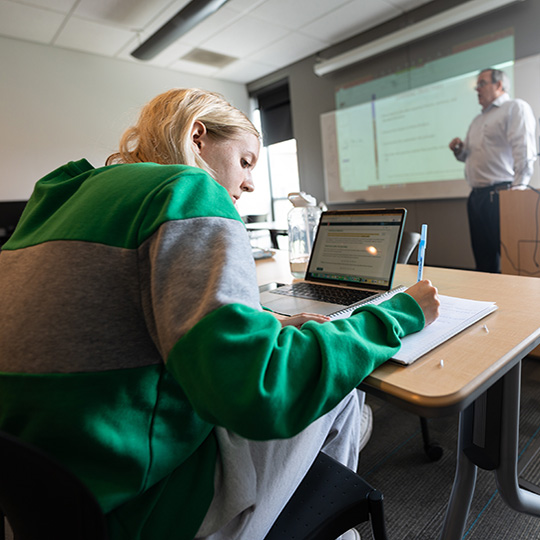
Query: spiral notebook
{"points": [[456, 314]]}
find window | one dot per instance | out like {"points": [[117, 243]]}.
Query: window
{"points": [[258, 203], [283, 177], [276, 175]]}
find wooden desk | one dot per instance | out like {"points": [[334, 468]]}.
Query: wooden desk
{"points": [[480, 380]]}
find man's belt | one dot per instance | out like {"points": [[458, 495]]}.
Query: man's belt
{"points": [[495, 187]]}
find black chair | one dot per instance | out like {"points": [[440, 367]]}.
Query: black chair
{"points": [[330, 500], [409, 241], [42, 499], [255, 218], [432, 449]]}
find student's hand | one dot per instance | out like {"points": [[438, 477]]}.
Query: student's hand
{"points": [[427, 297], [456, 145], [300, 319]]}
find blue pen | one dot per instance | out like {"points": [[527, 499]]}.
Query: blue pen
{"points": [[422, 252]]}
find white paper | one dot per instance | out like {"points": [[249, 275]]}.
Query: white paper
{"points": [[456, 314]]}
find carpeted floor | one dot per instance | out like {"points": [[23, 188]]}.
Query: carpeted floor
{"points": [[417, 490]]}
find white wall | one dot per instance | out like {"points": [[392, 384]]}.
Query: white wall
{"points": [[527, 83], [58, 105]]}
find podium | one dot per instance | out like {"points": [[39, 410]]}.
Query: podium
{"points": [[520, 235], [520, 232]]}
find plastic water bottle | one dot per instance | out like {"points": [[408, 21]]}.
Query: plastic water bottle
{"points": [[303, 220]]}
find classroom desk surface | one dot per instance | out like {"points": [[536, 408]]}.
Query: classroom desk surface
{"points": [[425, 387], [472, 357], [480, 379]]}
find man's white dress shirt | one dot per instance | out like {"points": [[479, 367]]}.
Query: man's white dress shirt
{"points": [[501, 144]]}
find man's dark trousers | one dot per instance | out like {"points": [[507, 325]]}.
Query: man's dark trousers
{"points": [[484, 226]]}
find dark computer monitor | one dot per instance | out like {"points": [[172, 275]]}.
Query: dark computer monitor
{"points": [[10, 213]]}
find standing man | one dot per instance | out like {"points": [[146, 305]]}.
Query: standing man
{"points": [[499, 153]]}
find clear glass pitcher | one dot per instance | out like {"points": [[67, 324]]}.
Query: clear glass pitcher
{"points": [[303, 220]]}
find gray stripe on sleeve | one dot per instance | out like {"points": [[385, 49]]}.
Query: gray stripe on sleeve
{"points": [[192, 267]]}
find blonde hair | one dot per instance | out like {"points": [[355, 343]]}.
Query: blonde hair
{"points": [[162, 133]]}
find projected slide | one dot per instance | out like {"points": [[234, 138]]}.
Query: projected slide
{"points": [[393, 144], [405, 137]]}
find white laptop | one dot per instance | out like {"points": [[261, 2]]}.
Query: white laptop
{"points": [[353, 261]]}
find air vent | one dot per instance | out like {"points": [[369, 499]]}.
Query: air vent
{"points": [[208, 58]]}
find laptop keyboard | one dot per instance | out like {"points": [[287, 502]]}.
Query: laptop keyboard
{"points": [[332, 295]]}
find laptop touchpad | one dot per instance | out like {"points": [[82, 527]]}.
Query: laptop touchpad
{"points": [[289, 305]]}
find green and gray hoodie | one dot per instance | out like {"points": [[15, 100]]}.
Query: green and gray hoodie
{"points": [[131, 327]]}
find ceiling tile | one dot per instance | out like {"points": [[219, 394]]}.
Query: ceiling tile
{"points": [[352, 18], [244, 71], [171, 54], [30, 23], [63, 6], [211, 26], [92, 37], [290, 49], [298, 13], [244, 6], [194, 68], [130, 14], [245, 36]]}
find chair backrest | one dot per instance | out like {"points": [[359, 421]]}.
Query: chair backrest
{"points": [[409, 242], [42, 499], [255, 218], [330, 500]]}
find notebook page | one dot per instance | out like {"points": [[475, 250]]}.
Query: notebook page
{"points": [[456, 314]]}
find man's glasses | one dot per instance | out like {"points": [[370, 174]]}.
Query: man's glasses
{"points": [[481, 84]]}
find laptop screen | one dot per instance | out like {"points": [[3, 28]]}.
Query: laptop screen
{"points": [[357, 247]]}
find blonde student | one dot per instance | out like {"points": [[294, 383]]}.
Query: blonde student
{"points": [[134, 348]]}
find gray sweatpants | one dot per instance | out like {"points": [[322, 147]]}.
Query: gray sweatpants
{"points": [[255, 479]]}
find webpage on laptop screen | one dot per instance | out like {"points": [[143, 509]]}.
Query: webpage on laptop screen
{"points": [[357, 249]]}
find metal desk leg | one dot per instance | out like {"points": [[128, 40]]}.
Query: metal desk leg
{"points": [[463, 488], [506, 474]]}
